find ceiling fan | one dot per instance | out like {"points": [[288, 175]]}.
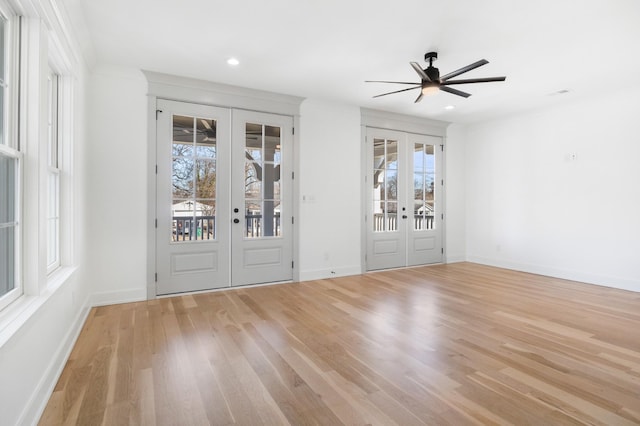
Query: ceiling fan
{"points": [[432, 82]]}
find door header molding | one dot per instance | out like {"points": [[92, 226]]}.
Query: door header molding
{"points": [[184, 89], [401, 122]]}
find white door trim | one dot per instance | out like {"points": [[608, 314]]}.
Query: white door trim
{"points": [[371, 118], [164, 86]]}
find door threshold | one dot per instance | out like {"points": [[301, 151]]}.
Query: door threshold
{"points": [[214, 290], [403, 267]]}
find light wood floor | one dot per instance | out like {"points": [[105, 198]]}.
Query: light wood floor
{"points": [[448, 344]]}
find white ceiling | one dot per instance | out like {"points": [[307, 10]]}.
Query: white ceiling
{"points": [[327, 48]]}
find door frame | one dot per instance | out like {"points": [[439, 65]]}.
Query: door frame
{"points": [[370, 118], [183, 89]]}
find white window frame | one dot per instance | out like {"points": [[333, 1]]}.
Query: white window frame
{"points": [[61, 64], [53, 173], [9, 297], [10, 146]]}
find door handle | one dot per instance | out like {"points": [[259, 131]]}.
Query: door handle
{"points": [[236, 210], [404, 216], [236, 220]]}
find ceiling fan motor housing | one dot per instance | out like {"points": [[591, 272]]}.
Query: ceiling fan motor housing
{"points": [[433, 73]]}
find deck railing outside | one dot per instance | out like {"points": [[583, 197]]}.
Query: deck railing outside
{"points": [[202, 228], [420, 222]]}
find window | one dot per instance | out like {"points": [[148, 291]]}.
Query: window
{"points": [[8, 224], [53, 176], [10, 164]]}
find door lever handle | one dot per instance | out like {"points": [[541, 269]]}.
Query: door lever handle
{"points": [[404, 216], [236, 220]]}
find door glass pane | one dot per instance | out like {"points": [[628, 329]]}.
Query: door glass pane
{"points": [[194, 179], [182, 149], [391, 217], [205, 221], [182, 177], [182, 212], [253, 148], [418, 186], [423, 185], [378, 185], [430, 159], [271, 178], [385, 185], [263, 154], [418, 157], [429, 186], [272, 145], [271, 218], [205, 179], [253, 219], [206, 137], [392, 185], [392, 155], [252, 180]]}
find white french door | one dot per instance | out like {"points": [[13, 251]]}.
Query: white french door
{"points": [[261, 200], [404, 199], [223, 205]]}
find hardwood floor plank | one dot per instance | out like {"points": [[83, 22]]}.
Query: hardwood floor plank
{"points": [[459, 344]]}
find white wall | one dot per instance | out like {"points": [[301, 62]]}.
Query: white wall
{"points": [[117, 184], [32, 358], [455, 175], [529, 206], [330, 191]]}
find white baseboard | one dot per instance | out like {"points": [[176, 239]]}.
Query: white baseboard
{"points": [[117, 297], [455, 258], [41, 395], [319, 274], [585, 277]]}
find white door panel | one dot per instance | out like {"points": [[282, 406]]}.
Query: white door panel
{"points": [[224, 198], [192, 204], [386, 189], [425, 230], [262, 248], [404, 199]]}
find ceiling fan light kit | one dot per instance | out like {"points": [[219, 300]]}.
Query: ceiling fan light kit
{"points": [[431, 82]]}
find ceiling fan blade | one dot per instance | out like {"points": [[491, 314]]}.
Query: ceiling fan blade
{"points": [[474, 80], [397, 91], [395, 82], [462, 70], [419, 98], [455, 91], [206, 124], [423, 75]]}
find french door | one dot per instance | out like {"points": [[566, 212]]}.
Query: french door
{"points": [[223, 204], [404, 199]]}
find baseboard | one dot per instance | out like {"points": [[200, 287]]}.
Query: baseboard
{"points": [[455, 258], [44, 390], [320, 274], [117, 297], [601, 280]]}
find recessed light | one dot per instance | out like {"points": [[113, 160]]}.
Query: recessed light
{"points": [[233, 61], [449, 107]]}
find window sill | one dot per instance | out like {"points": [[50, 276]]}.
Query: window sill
{"points": [[16, 315]]}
